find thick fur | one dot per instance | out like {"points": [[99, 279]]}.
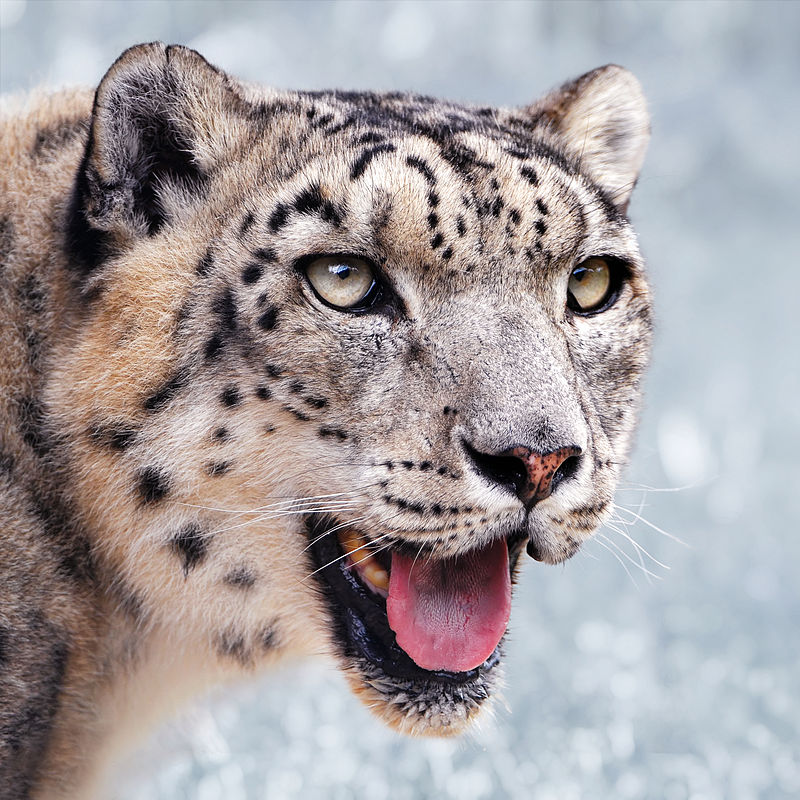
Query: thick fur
{"points": [[176, 401]]}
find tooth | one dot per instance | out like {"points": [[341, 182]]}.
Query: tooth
{"points": [[353, 544], [356, 547], [375, 574]]}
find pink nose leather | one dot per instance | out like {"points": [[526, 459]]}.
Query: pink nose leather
{"points": [[541, 467]]}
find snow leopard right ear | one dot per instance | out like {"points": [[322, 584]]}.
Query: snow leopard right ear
{"points": [[602, 120], [162, 119]]}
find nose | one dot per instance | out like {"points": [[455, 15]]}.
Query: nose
{"points": [[531, 475]]}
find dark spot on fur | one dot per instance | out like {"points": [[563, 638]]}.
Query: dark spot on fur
{"points": [[541, 228], [32, 426], [362, 162], [370, 137], [273, 371], [311, 201], [190, 545], [268, 637], [433, 220], [205, 264], [327, 433], [315, 402], [442, 470], [303, 417], [153, 485], [240, 578], [265, 254], [232, 645], [268, 318], [514, 216], [167, 392], [221, 435], [461, 227], [279, 217], [117, 436], [447, 253], [251, 273], [530, 175], [247, 223], [213, 346], [433, 199], [32, 295], [230, 396], [216, 468], [408, 464], [437, 240], [542, 206], [421, 166], [263, 393]]}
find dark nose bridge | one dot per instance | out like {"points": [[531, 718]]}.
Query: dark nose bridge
{"points": [[531, 475]]}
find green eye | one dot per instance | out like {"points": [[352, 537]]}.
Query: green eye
{"points": [[590, 285], [343, 282]]}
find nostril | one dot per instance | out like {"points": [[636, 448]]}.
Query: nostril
{"points": [[567, 470], [508, 471]]}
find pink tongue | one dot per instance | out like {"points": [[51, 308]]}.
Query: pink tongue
{"points": [[450, 614]]}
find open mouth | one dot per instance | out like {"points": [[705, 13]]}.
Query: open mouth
{"points": [[407, 618]]}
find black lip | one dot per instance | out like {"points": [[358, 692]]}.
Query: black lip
{"points": [[359, 615]]}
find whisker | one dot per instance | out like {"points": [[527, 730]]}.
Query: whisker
{"points": [[627, 556], [636, 544], [649, 524]]}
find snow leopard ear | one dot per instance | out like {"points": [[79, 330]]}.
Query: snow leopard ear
{"points": [[156, 134], [602, 118]]}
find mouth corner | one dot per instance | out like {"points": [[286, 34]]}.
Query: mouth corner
{"points": [[408, 697]]}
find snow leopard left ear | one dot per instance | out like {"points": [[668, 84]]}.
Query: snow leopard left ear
{"points": [[602, 120], [163, 118]]}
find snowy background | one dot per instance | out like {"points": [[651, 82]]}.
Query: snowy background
{"points": [[620, 684]]}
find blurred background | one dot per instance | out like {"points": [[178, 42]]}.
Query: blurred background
{"points": [[644, 667]]}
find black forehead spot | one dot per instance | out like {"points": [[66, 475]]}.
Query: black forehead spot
{"points": [[362, 162], [422, 167], [265, 254], [370, 137], [247, 223], [279, 217], [542, 206]]}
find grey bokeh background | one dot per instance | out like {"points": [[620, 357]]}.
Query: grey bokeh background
{"points": [[620, 685]]}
